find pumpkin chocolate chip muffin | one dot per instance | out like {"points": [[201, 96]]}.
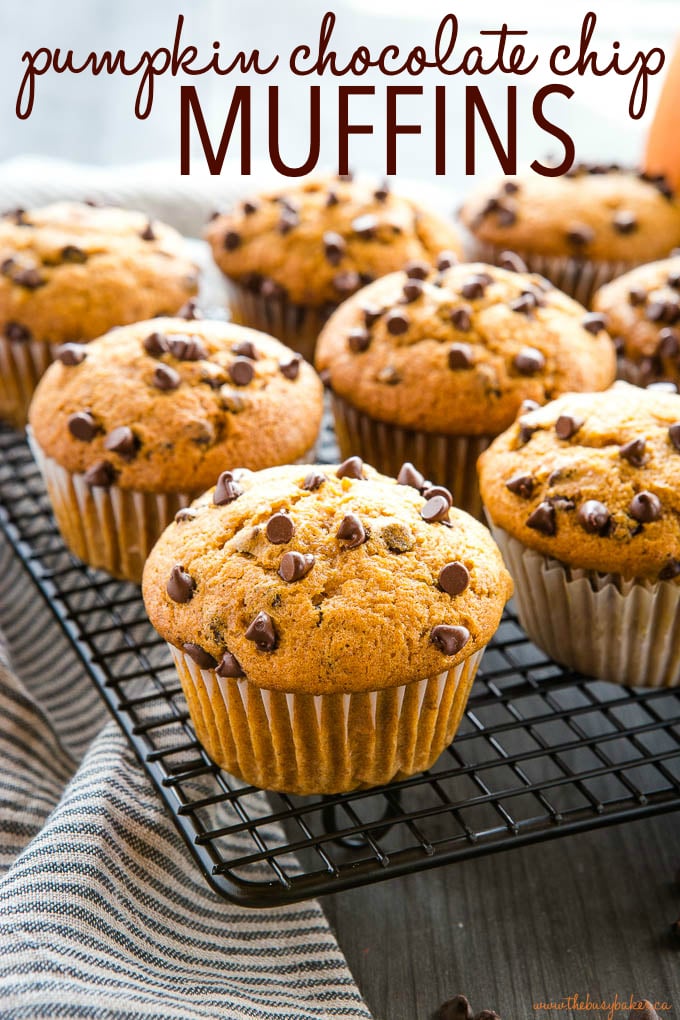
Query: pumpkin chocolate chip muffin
{"points": [[581, 229], [291, 256], [584, 500], [69, 272], [326, 622], [430, 363], [642, 309], [131, 427]]}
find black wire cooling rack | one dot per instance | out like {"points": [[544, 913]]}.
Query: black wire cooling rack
{"points": [[541, 752]]}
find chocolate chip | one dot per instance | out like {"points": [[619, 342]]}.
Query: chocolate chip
{"points": [[524, 304], [397, 322], [290, 219], [186, 513], [203, 659], [313, 481], [249, 207], [229, 667], [475, 286], [232, 240], [71, 354], [155, 344], [645, 507], [180, 586], [271, 289], [436, 509], [82, 426], [625, 222], [382, 193], [511, 260], [673, 279], [187, 348], [353, 467], [429, 491], [347, 282], [445, 260], [461, 319], [416, 269], [674, 435], [334, 247], [291, 369], [454, 578], [332, 198], [71, 253], [543, 519], [527, 406], [409, 475], [593, 516], [165, 378], [412, 290], [29, 278], [359, 339], [262, 632], [580, 235], [371, 314], [449, 640], [457, 1008], [147, 234], [122, 441], [669, 343], [521, 485], [670, 570], [226, 490], [567, 426], [365, 226], [637, 296], [294, 566], [634, 452], [101, 475], [245, 349], [388, 375], [594, 322], [280, 529], [351, 531], [241, 371], [655, 311], [528, 361]]}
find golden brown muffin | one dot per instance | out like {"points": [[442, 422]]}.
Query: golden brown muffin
{"points": [[324, 581], [70, 272], [307, 247], [441, 353], [160, 407], [642, 310]]}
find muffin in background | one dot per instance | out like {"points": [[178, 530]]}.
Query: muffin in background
{"points": [[583, 498], [70, 272], [131, 427], [579, 230], [642, 309], [292, 255], [326, 623], [429, 364]]}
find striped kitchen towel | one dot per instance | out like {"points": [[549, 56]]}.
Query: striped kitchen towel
{"points": [[103, 913]]}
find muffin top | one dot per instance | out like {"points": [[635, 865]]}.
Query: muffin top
{"points": [[642, 308], [71, 271], [323, 578], [456, 348], [319, 241], [593, 480], [592, 212], [165, 405]]}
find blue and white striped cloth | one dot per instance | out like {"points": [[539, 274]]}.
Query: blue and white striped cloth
{"points": [[103, 913]]}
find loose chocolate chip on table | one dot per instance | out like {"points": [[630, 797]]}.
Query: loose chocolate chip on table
{"points": [[416, 269], [155, 344], [528, 361], [409, 475], [232, 240], [454, 578], [83, 426], [101, 475], [567, 425], [353, 467], [436, 509], [460, 357], [625, 222], [181, 585], [645, 507], [365, 226], [203, 659], [334, 247], [457, 1008], [226, 490], [593, 516], [280, 529], [187, 348], [147, 234], [412, 290], [449, 640], [359, 339], [241, 372], [122, 441], [71, 253], [229, 667], [396, 322], [511, 260], [445, 260], [165, 378], [295, 565], [634, 452], [594, 322], [521, 485], [351, 531], [671, 570], [543, 519], [637, 296], [461, 319], [262, 632], [475, 286], [291, 369], [313, 481], [580, 235], [71, 354], [674, 435], [186, 513]]}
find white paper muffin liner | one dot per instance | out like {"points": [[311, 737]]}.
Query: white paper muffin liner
{"points": [[297, 326], [444, 460], [602, 625], [22, 365], [324, 743]]}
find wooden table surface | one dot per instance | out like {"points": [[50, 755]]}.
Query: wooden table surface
{"points": [[588, 914]]}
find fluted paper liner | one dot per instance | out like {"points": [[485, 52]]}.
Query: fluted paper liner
{"points": [[624, 631], [444, 460], [297, 326], [324, 743], [22, 365]]}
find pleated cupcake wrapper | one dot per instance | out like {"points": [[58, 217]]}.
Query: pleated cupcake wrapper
{"points": [[324, 743], [444, 460], [602, 625], [114, 529], [579, 278], [22, 365], [297, 326]]}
